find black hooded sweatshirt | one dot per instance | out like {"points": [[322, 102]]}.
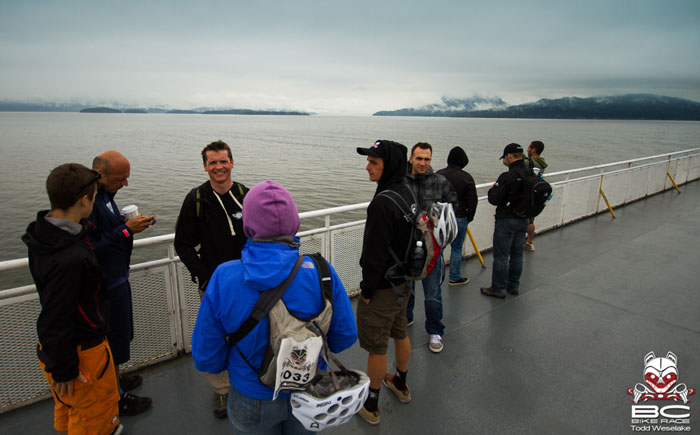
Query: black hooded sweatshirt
{"points": [[73, 307], [462, 182], [385, 225]]}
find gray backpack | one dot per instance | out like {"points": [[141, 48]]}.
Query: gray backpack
{"points": [[294, 344]]}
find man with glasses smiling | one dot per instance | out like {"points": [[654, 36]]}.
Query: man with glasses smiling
{"points": [[211, 217], [113, 238]]}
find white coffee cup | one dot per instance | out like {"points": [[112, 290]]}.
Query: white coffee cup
{"points": [[130, 211]]}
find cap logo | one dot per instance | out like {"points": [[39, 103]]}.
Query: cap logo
{"points": [[376, 144]]}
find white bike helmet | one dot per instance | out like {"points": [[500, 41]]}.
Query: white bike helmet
{"points": [[321, 406], [443, 217]]}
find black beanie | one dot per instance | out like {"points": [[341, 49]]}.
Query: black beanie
{"points": [[457, 157]]}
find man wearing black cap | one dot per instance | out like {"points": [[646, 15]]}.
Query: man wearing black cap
{"points": [[467, 200], [510, 230], [381, 311]]}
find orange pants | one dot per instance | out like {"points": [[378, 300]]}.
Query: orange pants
{"points": [[94, 407]]}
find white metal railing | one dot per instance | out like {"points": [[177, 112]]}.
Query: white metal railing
{"points": [[166, 300]]}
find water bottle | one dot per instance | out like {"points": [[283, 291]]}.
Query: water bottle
{"points": [[418, 259]]}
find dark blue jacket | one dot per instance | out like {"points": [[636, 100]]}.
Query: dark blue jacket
{"points": [[111, 239]]}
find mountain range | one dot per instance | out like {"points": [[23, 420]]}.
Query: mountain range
{"points": [[19, 106], [631, 106]]}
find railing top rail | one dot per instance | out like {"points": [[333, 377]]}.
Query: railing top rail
{"points": [[606, 165]]}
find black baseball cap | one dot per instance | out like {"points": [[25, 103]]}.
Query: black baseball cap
{"points": [[512, 148], [376, 150]]}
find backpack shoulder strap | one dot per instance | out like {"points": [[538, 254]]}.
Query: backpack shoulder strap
{"points": [[324, 275], [403, 205], [240, 194], [199, 200], [263, 306]]}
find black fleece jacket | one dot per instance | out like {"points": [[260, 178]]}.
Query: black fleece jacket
{"points": [[464, 185], [385, 225], [73, 307], [209, 229]]}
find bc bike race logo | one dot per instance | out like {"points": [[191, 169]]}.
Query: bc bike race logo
{"points": [[660, 384]]}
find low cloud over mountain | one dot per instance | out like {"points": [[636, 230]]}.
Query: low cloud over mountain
{"points": [[632, 106]]}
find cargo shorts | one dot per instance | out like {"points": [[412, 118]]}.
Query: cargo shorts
{"points": [[93, 408], [381, 319]]}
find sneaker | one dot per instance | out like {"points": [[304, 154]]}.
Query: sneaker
{"points": [[118, 430], [370, 417], [529, 247], [129, 382], [130, 404], [220, 405], [435, 343], [488, 291], [513, 291], [404, 396], [460, 281], [409, 323]]}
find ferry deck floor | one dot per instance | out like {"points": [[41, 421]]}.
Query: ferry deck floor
{"points": [[596, 297]]}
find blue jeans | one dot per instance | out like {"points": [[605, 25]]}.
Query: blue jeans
{"points": [[433, 300], [508, 238], [456, 251], [262, 416]]}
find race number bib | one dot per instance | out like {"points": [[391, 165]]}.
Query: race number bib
{"points": [[296, 363]]}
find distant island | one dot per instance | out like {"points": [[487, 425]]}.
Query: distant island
{"points": [[631, 107], [100, 110], [252, 112], [203, 112], [18, 106]]}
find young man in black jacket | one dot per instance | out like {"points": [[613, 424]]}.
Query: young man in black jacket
{"points": [[467, 200], [510, 230], [381, 310], [211, 217], [72, 326]]}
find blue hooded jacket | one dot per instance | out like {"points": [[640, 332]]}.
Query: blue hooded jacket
{"points": [[233, 290]]}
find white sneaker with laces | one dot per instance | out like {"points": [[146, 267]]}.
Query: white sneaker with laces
{"points": [[436, 343]]}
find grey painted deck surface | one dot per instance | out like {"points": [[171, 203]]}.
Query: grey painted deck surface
{"points": [[596, 297]]}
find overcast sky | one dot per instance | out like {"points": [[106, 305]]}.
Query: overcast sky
{"points": [[353, 57]]}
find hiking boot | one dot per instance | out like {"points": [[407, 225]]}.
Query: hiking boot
{"points": [[529, 247], [488, 291], [513, 291], [435, 343], [220, 405], [460, 281], [370, 417], [129, 382], [130, 404], [404, 396]]}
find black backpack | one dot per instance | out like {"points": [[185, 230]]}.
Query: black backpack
{"points": [[534, 192], [418, 261]]}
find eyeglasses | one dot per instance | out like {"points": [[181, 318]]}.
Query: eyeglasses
{"points": [[96, 177]]}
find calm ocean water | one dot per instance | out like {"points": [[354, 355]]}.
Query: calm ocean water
{"points": [[313, 157]]}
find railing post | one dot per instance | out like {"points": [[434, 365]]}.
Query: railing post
{"points": [[563, 201], [327, 238], [177, 304], [627, 186]]}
